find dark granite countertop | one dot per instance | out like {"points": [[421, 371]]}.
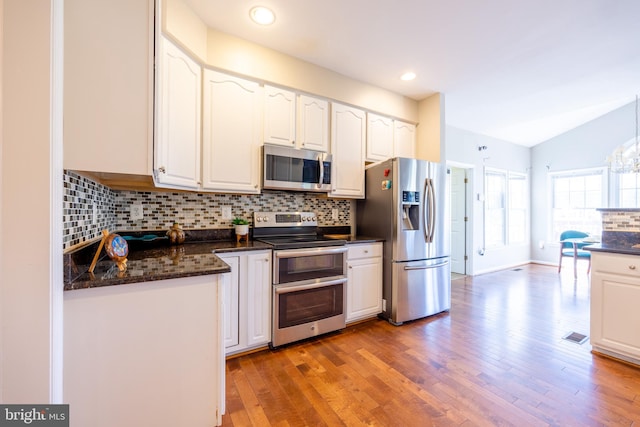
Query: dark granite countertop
{"points": [[155, 259], [363, 239], [149, 262], [613, 248]]}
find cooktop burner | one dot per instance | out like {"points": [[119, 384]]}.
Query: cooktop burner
{"points": [[299, 242], [290, 230]]}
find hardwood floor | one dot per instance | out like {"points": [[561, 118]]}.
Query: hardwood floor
{"points": [[498, 358]]}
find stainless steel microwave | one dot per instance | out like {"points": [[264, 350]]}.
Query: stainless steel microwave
{"points": [[286, 168]]}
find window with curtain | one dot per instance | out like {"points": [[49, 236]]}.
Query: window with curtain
{"points": [[575, 197]]}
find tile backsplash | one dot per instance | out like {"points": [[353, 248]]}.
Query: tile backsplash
{"points": [[161, 209], [627, 220]]}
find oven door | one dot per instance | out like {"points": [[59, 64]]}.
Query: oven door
{"points": [[309, 265], [304, 311]]}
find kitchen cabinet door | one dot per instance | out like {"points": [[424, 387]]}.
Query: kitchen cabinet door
{"points": [[364, 281], [615, 297], [379, 137], [247, 300], [313, 123], [108, 86], [279, 116], [177, 151], [232, 131], [348, 133], [258, 295], [404, 139], [231, 285]]}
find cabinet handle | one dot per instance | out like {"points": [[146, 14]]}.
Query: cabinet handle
{"points": [[162, 169], [632, 267]]}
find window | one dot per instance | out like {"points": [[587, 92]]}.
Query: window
{"points": [[575, 197], [506, 211], [517, 215], [628, 190], [495, 207]]}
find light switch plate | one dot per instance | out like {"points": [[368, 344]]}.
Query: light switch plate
{"points": [[136, 212], [226, 212]]}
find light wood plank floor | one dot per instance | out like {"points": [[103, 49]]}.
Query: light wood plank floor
{"points": [[498, 358]]}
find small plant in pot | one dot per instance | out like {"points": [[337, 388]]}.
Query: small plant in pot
{"points": [[242, 228]]}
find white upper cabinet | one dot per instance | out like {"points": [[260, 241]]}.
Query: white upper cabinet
{"points": [[177, 151], [313, 123], [379, 137], [279, 116], [108, 86], [348, 139], [404, 139], [231, 133]]}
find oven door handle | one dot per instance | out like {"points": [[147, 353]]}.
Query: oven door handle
{"points": [[285, 289], [290, 253]]}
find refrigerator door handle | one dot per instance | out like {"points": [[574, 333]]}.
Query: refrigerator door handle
{"points": [[429, 210], [426, 267]]}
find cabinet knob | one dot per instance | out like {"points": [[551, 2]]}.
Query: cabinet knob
{"points": [[266, 260], [162, 169], [350, 266], [366, 251], [632, 267]]}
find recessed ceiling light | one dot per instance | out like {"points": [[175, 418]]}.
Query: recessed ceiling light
{"points": [[262, 15], [408, 76]]}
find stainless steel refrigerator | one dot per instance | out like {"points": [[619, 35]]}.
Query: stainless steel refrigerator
{"points": [[406, 203]]}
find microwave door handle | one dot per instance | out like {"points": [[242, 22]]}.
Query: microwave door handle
{"points": [[321, 167]]}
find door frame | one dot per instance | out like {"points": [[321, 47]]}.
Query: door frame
{"points": [[468, 208]]}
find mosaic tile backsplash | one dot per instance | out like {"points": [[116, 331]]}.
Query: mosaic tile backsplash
{"points": [[162, 209], [89, 208], [622, 220]]}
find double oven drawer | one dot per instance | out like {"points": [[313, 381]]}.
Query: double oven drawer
{"points": [[309, 293]]}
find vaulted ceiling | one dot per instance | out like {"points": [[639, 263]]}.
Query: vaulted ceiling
{"points": [[521, 71]]}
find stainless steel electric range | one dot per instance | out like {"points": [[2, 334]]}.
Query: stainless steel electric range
{"points": [[309, 276]]}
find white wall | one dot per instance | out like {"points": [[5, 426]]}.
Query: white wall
{"points": [[462, 150], [30, 253], [583, 147]]}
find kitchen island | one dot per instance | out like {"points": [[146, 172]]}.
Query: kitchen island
{"points": [[615, 296]]}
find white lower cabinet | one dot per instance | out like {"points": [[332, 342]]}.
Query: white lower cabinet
{"points": [[364, 281], [145, 354], [247, 308], [615, 298]]}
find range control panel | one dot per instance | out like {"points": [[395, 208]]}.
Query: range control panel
{"points": [[284, 219]]}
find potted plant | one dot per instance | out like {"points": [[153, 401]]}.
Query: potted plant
{"points": [[242, 228]]}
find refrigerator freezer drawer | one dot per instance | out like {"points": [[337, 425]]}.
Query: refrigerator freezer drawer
{"points": [[420, 289]]}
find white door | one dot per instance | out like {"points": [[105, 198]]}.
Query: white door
{"points": [[231, 134], [313, 123], [177, 161], [404, 139], [458, 220], [348, 133], [279, 116]]}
